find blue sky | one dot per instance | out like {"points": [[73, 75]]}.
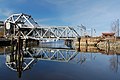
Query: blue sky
{"points": [[98, 14]]}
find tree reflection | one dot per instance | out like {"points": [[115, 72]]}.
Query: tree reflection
{"points": [[114, 62]]}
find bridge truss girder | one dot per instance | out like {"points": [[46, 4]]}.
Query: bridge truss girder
{"points": [[29, 29], [49, 33]]}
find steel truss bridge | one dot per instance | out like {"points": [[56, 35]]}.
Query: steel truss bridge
{"points": [[29, 29]]}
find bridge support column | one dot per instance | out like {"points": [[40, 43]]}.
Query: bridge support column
{"points": [[69, 43], [78, 40], [24, 44]]}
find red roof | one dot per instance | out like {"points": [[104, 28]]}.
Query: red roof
{"points": [[108, 34]]}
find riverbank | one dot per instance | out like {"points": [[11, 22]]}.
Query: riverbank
{"points": [[103, 44], [87, 41], [5, 42]]}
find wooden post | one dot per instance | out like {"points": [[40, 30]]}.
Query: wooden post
{"points": [[78, 39], [24, 43], [108, 46], [19, 60]]}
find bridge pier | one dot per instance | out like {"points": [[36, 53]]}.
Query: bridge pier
{"points": [[78, 40], [69, 43], [24, 43], [76, 43]]}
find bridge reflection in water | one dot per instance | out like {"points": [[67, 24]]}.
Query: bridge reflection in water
{"points": [[27, 58], [30, 56]]}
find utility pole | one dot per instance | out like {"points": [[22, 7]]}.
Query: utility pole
{"points": [[94, 32], [118, 27], [91, 32], [82, 29]]}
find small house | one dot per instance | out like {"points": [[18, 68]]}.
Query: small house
{"points": [[109, 35]]}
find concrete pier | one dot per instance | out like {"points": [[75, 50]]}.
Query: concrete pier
{"points": [[69, 42]]}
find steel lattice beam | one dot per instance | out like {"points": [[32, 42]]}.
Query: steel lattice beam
{"points": [[30, 29]]}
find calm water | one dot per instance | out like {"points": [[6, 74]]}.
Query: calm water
{"points": [[58, 64]]}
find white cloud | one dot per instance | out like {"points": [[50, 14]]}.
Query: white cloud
{"points": [[5, 12], [98, 15], [58, 2], [43, 19]]}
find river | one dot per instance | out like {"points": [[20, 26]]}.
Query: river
{"points": [[55, 61]]}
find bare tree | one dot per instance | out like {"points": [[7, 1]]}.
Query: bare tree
{"points": [[115, 27]]}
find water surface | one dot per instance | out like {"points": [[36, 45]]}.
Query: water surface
{"points": [[58, 64]]}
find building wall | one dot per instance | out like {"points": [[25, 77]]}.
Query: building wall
{"points": [[1, 28]]}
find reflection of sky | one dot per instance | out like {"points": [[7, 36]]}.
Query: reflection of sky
{"points": [[96, 67], [2, 60]]}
